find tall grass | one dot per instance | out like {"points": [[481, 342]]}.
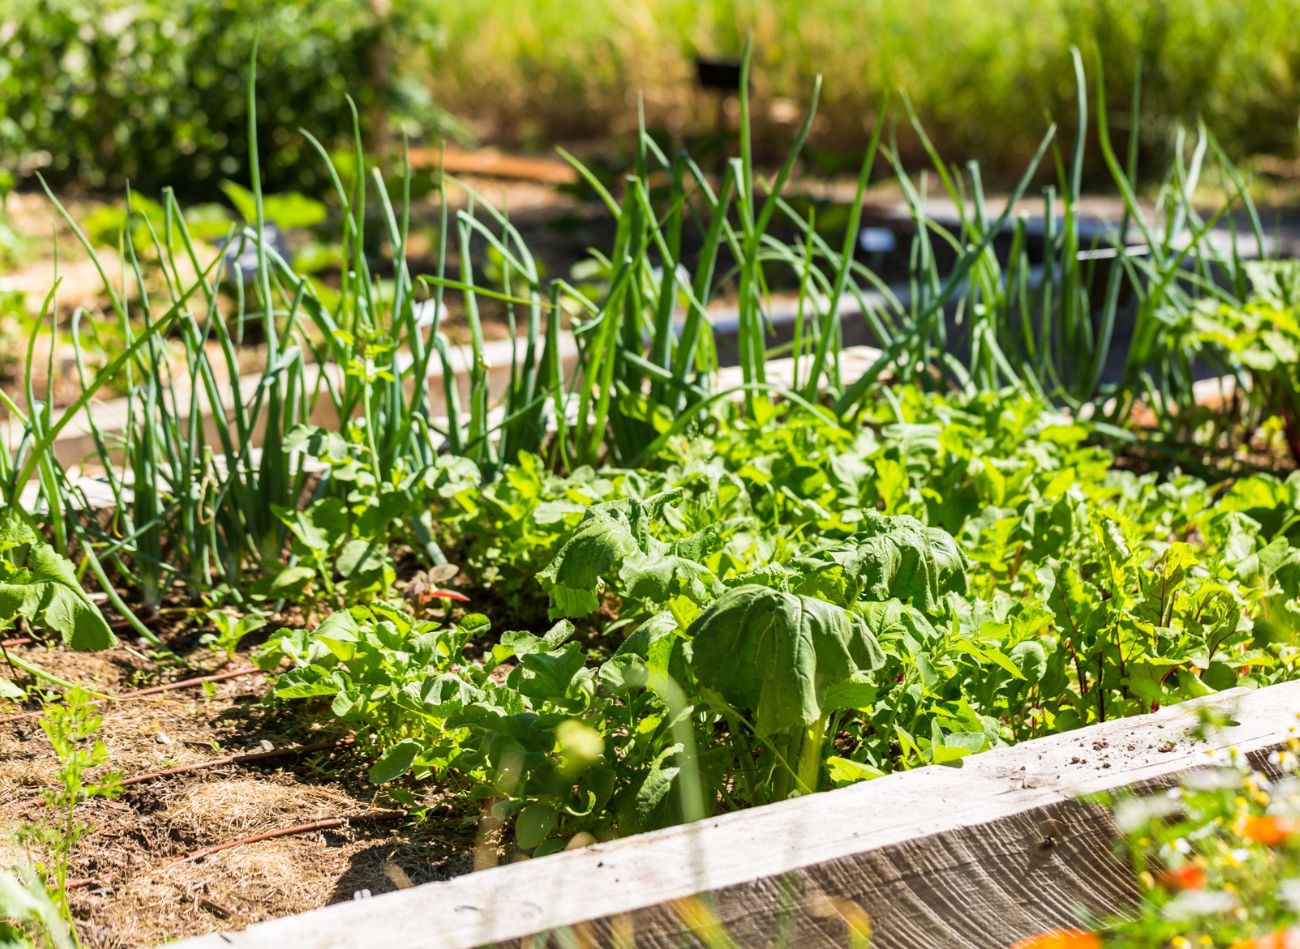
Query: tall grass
{"points": [[984, 77], [200, 504]]}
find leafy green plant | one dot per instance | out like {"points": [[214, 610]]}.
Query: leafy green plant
{"points": [[508, 530], [1260, 341], [545, 744], [153, 92], [363, 351], [71, 723], [947, 559], [777, 658], [228, 630], [1015, 585], [40, 588], [343, 540]]}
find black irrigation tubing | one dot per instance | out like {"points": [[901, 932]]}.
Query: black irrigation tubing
{"points": [[153, 690], [188, 683]]}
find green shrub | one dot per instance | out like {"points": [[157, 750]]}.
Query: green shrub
{"points": [[99, 91], [155, 91]]}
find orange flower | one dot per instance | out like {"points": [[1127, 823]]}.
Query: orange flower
{"points": [[1267, 830], [1286, 939], [1187, 877], [1061, 939]]}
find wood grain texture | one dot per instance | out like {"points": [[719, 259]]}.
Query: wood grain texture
{"points": [[972, 856]]}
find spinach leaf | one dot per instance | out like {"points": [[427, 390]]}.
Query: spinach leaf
{"points": [[41, 587], [773, 654]]}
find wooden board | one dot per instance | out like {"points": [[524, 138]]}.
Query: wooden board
{"points": [[492, 164], [971, 856]]}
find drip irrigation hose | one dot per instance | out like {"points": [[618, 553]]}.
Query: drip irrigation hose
{"points": [[251, 757], [248, 758], [327, 823], [153, 690]]}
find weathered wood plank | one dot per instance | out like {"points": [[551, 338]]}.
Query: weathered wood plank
{"points": [[970, 856]]}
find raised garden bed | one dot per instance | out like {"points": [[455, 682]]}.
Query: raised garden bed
{"points": [[616, 596], [236, 813], [970, 857]]}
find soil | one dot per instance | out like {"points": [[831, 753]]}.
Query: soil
{"points": [[136, 887]]}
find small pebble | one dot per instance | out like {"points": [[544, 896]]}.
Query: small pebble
{"points": [[580, 840]]}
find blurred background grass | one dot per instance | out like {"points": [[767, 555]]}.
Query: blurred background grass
{"points": [[95, 92]]}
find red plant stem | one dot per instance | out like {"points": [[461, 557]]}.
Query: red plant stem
{"points": [[325, 824], [248, 758], [154, 690]]}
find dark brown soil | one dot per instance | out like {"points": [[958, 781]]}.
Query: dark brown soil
{"points": [[142, 892]]}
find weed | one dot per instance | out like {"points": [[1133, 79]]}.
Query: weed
{"points": [[229, 631], [71, 723]]}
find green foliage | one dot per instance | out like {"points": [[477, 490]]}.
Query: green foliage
{"points": [[809, 585], [1260, 340], [547, 738], [609, 535], [775, 658], [540, 73], [886, 558], [341, 543], [825, 606], [155, 91], [28, 917], [41, 588], [518, 522], [646, 353], [773, 655], [71, 724], [287, 211], [228, 631]]}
